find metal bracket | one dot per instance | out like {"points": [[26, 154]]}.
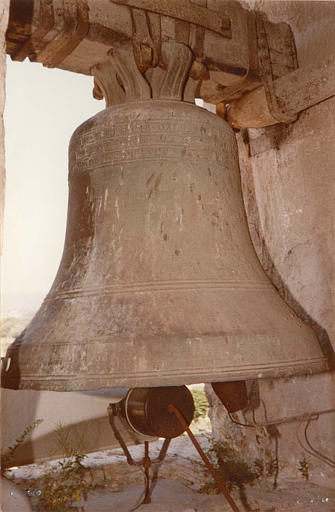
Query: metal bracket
{"points": [[185, 10], [114, 411], [276, 108]]}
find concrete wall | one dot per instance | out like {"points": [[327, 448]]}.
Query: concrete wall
{"points": [[289, 194], [75, 421], [4, 11]]}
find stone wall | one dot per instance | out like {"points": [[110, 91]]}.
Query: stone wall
{"points": [[289, 194]]}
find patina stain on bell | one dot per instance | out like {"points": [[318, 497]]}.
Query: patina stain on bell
{"points": [[159, 283]]}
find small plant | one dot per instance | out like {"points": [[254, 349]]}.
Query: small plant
{"points": [[64, 485], [200, 403], [232, 470], [8, 458], [272, 467], [259, 467], [268, 469], [71, 439], [304, 467]]}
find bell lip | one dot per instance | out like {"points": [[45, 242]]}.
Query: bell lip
{"points": [[160, 379]]}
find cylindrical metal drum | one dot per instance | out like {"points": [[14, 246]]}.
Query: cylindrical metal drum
{"points": [[146, 410]]}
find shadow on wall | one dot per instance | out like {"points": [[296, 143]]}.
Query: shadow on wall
{"points": [[69, 420], [82, 437]]}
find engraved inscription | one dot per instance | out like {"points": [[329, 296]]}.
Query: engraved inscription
{"points": [[119, 142]]}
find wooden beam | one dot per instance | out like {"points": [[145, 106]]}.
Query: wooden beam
{"points": [[295, 92]]}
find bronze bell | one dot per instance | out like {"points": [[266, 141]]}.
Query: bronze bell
{"points": [[159, 284]]}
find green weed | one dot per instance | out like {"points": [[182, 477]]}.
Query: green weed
{"points": [[8, 458], [304, 467], [231, 469], [201, 405]]}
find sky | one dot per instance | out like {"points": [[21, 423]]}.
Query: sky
{"points": [[43, 108]]}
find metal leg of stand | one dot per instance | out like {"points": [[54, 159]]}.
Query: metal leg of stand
{"points": [[111, 415], [176, 412], [146, 462], [146, 465]]}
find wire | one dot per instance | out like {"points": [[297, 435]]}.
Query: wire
{"points": [[140, 499], [240, 424], [313, 416], [264, 408], [302, 417], [275, 480], [326, 459], [314, 453]]}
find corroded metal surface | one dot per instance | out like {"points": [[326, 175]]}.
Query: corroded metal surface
{"points": [[159, 283]]}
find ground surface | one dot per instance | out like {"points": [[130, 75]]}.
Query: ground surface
{"points": [[173, 496], [119, 486]]}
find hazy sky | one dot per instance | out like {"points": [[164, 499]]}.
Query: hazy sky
{"points": [[43, 108]]}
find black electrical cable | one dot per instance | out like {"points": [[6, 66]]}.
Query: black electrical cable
{"points": [[139, 502], [254, 415], [275, 481], [314, 416], [324, 457], [264, 408], [240, 424], [302, 417], [314, 453]]}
